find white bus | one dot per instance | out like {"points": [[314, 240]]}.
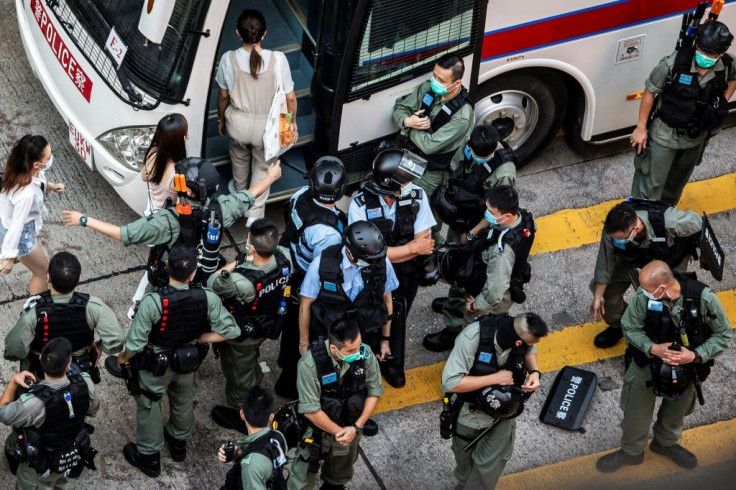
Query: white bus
{"points": [[537, 65]]}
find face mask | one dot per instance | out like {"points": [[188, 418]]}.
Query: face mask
{"points": [[704, 61], [478, 160], [351, 358], [490, 218], [405, 192], [49, 163], [437, 87], [652, 296], [362, 263], [621, 242]]}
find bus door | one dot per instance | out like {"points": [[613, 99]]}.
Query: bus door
{"points": [[371, 53], [286, 26]]}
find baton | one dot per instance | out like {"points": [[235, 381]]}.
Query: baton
{"points": [[480, 436], [715, 10]]}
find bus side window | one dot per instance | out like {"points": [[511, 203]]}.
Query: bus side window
{"points": [[402, 39]]}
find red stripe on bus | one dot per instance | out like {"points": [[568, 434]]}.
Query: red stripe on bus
{"points": [[579, 24]]}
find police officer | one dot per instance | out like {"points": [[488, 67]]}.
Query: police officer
{"points": [[401, 211], [689, 92], [165, 345], [484, 162], [164, 227], [339, 384], [666, 308], [51, 416], [435, 121], [494, 279], [636, 232], [62, 312], [253, 292], [490, 355], [313, 223], [259, 456], [353, 279]]}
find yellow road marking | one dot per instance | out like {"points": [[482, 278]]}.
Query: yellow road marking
{"points": [[568, 347], [712, 444], [572, 228]]}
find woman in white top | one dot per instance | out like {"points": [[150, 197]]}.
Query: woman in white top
{"points": [[21, 208], [168, 146], [247, 81]]}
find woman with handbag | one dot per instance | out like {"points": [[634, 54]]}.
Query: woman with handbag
{"points": [[251, 81], [22, 209]]}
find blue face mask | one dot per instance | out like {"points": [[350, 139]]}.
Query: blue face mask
{"points": [[704, 61], [478, 160], [490, 218], [621, 242], [437, 87]]}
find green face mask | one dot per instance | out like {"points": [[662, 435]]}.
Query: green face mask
{"points": [[437, 87], [704, 61], [350, 358]]}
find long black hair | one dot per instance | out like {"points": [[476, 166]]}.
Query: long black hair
{"points": [[19, 165], [168, 142], [251, 28]]}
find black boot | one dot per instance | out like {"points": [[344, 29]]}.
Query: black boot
{"points": [[681, 456], [229, 418], [613, 461], [177, 447], [150, 464], [438, 303], [393, 374], [608, 338], [440, 341]]}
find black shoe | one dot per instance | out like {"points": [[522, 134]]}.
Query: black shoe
{"points": [[613, 461], [111, 364], [440, 341], [681, 456], [229, 418], [329, 486], [608, 338], [438, 303], [150, 464], [393, 375], [286, 389], [370, 428], [177, 447]]}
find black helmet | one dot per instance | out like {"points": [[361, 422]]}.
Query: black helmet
{"points": [[365, 242], [328, 180], [290, 423], [451, 257], [501, 402], [670, 382], [713, 37], [393, 168], [196, 169], [429, 270]]}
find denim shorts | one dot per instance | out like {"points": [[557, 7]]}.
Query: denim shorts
{"points": [[27, 238]]}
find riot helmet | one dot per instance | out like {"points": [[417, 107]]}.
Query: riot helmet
{"points": [[713, 37], [365, 242], [290, 423], [328, 180], [670, 382], [501, 402], [392, 168], [201, 177], [429, 270]]}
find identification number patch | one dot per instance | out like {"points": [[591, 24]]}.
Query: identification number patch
{"points": [[329, 378], [686, 79], [374, 213], [485, 357], [330, 286], [654, 305]]}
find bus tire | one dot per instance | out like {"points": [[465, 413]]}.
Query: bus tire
{"points": [[530, 107]]}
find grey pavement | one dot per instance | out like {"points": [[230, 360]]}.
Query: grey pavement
{"points": [[408, 452]]}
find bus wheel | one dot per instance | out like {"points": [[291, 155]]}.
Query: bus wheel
{"points": [[527, 110]]}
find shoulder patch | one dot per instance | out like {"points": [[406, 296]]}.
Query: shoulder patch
{"points": [[359, 199], [25, 397]]}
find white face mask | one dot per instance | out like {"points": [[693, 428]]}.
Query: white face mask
{"points": [[49, 163], [362, 263], [405, 191]]}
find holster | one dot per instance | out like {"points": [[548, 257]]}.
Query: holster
{"points": [[637, 356], [315, 450]]}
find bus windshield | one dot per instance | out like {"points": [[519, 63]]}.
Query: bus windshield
{"points": [[160, 71]]}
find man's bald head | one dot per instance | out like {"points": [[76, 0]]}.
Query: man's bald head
{"points": [[655, 273]]}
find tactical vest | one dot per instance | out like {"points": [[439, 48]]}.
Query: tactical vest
{"points": [[257, 319], [685, 105], [461, 203], [341, 399], [263, 445], [303, 213], [520, 238], [192, 231], [439, 161], [400, 233], [660, 328], [486, 359], [332, 302], [59, 429], [658, 248], [183, 317], [62, 320]]}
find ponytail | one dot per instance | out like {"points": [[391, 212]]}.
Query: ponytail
{"points": [[251, 28]]}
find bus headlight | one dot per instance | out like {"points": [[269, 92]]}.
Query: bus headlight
{"points": [[129, 145]]}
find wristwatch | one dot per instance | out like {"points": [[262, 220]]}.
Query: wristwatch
{"points": [[83, 220], [470, 236], [358, 429]]}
